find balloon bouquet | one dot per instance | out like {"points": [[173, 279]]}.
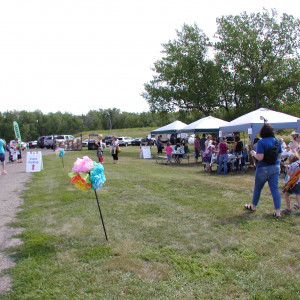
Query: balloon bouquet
{"points": [[88, 174], [60, 153]]}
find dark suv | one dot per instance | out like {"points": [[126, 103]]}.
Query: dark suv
{"points": [[40, 142], [107, 140]]}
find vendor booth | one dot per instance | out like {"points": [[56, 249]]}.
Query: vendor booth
{"points": [[253, 121], [172, 129], [208, 124]]}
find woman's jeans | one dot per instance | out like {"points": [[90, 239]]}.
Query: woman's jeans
{"points": [[223, 158], [268, 174]]}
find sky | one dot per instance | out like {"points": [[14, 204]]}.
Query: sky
{"points": [[80, 55]]}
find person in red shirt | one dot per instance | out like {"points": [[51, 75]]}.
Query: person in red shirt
{"points": [[197, 148], [223, 156]]}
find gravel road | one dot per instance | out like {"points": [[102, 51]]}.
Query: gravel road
{"points": [[12, 186]]}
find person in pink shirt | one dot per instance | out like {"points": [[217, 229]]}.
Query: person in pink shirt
{"points": [[223, 156], [169, 150]]}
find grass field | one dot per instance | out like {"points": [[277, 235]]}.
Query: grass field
{"points": [[175, 232]]}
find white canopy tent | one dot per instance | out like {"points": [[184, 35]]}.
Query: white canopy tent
{"points": [[207, 124], [253, 121], [174, 127]]}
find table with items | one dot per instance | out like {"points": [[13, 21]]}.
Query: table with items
{"points": [[234, 162]]}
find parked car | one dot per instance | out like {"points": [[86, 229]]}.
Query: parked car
{"points": [[136, 141], [62, 138], [32, 144], [85, 143], [107, 140], [147, 142], [40, 141], [125, 140], [49, 141]]}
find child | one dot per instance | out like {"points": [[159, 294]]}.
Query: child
{"points": [[245, 157], [99, 148], [19, 148], [181, 148], [169, 150], [294, 165]]}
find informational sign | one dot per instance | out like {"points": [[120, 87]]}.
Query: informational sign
{"points": [[145, 152], [34, 162], [249, 130], [220, 133]]}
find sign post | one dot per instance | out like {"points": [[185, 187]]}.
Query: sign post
{"points": [[34, 162], [145, 152]]}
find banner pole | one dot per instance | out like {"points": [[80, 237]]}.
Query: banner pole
{"points": [[101, 216]]}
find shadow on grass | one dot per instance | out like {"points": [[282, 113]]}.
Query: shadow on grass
{"points": [[35, 245], [239, 220], [250, 218]]}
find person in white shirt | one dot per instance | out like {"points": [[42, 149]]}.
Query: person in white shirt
{"points": [[286, 152], [283, 144]]}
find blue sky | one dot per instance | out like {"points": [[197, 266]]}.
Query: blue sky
{"points": [[78, 55]]}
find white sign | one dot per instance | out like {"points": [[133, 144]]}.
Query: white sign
{"points": [[249, 130], [220, 133], [145, 152], [34, 162]]}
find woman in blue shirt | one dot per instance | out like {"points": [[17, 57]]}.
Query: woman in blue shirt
{"points": [[266, 172], [2, 156]]}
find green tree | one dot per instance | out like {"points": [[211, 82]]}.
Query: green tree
{"points": [[259, 59], [186, 78]]}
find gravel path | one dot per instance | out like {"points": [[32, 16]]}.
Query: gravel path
{"points": [[12, 185]]}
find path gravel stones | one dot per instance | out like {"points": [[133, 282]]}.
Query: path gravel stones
{"points": [[12, 185]]}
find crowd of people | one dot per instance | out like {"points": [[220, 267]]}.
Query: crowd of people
{"points": [[211, 149], [268, 155], [266, 172]]}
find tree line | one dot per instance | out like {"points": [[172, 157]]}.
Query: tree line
{"points": [[35, 124], [253, 63]]}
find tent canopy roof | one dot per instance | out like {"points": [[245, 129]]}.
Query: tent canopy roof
{"points": [[255, 119], [207, 124], [174, 127]]}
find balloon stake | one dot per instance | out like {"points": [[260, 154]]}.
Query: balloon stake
{"points": [[87, 174], [62, 160], [101, 215]]}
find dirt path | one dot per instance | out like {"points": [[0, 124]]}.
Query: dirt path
{"points": [[12, 185]]}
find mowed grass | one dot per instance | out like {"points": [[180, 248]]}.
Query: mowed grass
{"points": [[175, 232]]}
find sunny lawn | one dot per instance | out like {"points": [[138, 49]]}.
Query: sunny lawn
{"points": [[175, 232]]}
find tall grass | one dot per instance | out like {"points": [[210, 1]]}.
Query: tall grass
{"points": [[175, 232]]}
